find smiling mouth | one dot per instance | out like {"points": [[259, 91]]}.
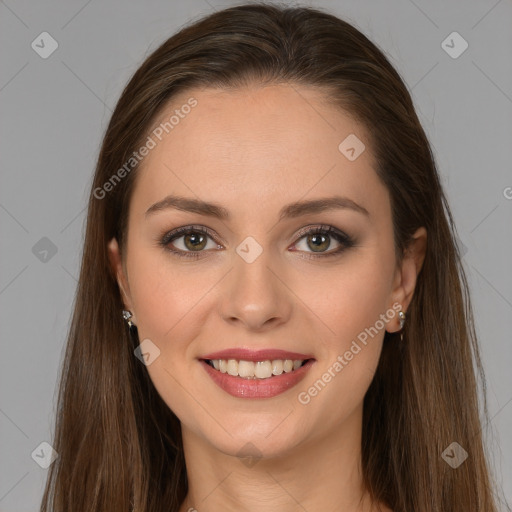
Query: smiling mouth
{"points": [[256, 369]]}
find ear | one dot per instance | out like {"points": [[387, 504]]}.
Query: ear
{"points": [[407, 274], [116, 264]]}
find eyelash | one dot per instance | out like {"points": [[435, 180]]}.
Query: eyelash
{"points": [[344, 240]]}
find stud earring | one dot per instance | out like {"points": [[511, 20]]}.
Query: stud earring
{"points": [[127, 315], [401, 317]]}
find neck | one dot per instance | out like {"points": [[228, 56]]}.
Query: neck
{"points": [[320, 474]]}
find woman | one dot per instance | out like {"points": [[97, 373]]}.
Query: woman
{"points": [[271, 312]]}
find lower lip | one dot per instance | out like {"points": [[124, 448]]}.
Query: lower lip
{"points": [[257, 388]]}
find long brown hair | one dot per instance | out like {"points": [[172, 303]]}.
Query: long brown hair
{"points": [[119, 444]]}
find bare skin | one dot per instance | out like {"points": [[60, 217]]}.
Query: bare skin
{"points": [[253, 151]]}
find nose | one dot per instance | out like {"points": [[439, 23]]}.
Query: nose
{"points": [[255, 295]]}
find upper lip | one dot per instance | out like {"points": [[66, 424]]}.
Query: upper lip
{"points": [[247, 354]]}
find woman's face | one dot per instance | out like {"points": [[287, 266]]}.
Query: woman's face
{"points": [[256, 279]]}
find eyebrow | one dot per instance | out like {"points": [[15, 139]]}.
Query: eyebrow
{"points": [[290, 211]]}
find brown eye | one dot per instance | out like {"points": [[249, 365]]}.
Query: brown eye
{"points": [[318, 242], [195, 241], [320, 239], [189, 241]]}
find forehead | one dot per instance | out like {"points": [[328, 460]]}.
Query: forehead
{"points": [[257, 146]]}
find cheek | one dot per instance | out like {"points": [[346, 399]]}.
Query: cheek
{"points": [[331, 394], [171, 303], [352, 315], [165, 296], [348, 299]]}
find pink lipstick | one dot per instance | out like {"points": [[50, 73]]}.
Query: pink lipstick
{"points": [[263, 373]]}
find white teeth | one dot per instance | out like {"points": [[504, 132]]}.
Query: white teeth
{"points": [[232, 367], [246, 368], [262, 369], [277, 367], [288, 365], [256, 370]]}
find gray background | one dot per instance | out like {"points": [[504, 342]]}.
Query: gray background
{"points": [[54, 112]]}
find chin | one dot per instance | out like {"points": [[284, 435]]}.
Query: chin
{"points": [[262, 440]]}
